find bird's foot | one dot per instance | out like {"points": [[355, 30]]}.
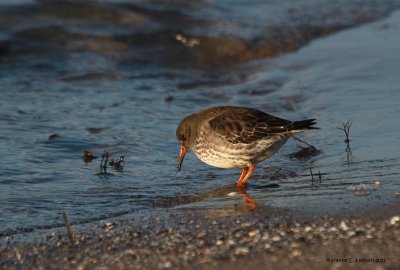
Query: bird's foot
{"points": [[242, 186]]}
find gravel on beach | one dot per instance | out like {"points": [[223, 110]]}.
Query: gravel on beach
{"points": [[199, 241]]}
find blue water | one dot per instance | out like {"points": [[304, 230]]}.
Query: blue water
{"points": [[66, 87]]}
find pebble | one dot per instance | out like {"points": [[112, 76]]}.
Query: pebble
{"points": [[307, 229], [351, 233], [230, 242], [254, 233], [333, 229], [394, 220], [109, 225], [296, 253], [343, 226], [265, 237], [239, 251], [276, 238]]}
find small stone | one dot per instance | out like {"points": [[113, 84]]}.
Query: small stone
{"points": [[276, 238], [246, 224], [219, 243], [254, 233], [296, 253], [333, 229], [130, 252], [109, 225], [241, 251], [230, 242], [307, 229], [231, 194], [265, 237], [394, 220], [377, 182], [167, 264], [343, 226], [351, 233]]}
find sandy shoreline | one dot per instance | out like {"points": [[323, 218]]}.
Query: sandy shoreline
{"points": [[249, 241]]}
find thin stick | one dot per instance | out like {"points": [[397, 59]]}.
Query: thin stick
{"points": [[312, 177], [346, 128], [294, 137]]}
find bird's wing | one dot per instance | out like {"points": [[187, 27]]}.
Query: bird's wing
{"points": [[247, 125]]}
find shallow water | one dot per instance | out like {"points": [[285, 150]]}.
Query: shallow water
{"points": [[98, 83]]}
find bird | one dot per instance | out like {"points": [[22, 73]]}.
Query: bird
{"points": [[235, 137]]}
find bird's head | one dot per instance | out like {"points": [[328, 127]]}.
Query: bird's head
{"points": [[185, 135]]}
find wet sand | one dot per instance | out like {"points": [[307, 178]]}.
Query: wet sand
{"points": [[209, 240]]}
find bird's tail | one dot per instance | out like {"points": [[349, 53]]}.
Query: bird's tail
{"points": [[304, 125]]}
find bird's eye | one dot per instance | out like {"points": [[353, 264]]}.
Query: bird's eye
{"points": [[182, 137]]}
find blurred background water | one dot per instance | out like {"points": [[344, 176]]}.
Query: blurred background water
{"points": [[118, 76]]}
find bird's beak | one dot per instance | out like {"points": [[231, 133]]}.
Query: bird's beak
{"points": [[181, 157]]}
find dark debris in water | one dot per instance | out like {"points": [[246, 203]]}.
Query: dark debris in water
{"points": [[88, 156], [118, 164], [168, 98], [305, 152], [54, 136], [312, 177], [95, 130]]}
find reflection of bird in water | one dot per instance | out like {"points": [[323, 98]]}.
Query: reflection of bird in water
{"points": [[219, 192], [235, 137]]}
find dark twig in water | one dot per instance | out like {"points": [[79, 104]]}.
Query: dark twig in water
{"points": [[294, 137], [103, 162], [312, 177], [104, 159], [117, 164], [68, 227], [346, 128]]}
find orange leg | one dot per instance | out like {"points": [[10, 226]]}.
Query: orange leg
{"points": [[246, 173]]}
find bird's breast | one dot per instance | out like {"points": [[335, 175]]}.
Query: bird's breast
{"points": [[217, 152]]}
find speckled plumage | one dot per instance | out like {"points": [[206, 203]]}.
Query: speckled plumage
{"points": [[235, 137]]}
